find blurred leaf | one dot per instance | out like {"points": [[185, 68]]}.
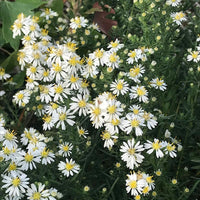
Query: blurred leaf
{"points": [[10, 62], [57, 5], [9, 12], [19, 79], [2, 41]]}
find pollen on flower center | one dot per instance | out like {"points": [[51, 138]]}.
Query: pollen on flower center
{"points": [[115, 122], [12, 167], [156, 145], [131, 151], [97, 111], [133, 54], [20, 96], [28, 157], [132, 184], [141, 91], [114, 44], [135, 111], [106, 135], [134, 123], [113, 57], [57, 67], [81, 103], [47, 118], [73, 79], [9, 136], [120, 86], [16, 181], [45, 153], [98, 53], [112, 109], [159, 82], [62, 116], [65, 148], [170, 147], [195, 54], [36, 196], [59, 89], [69, 166]]}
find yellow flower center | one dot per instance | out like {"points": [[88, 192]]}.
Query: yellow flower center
{"points": [[135, 123], [82, 104], [149, 179], [2, 71], [47, 12], [35, 46], [69, 166], [73, 61], [120, 85], [131, 151], [112, 109], [141, 91], [113, 58], [134, 71], [9, 136], [36, 56], [73, 79], [47, 119], [36, 196], [28, 157], [114, 44], [97, 111], [57, 67], [135, 111], [45, 153], [16, 181], [12, 167], [59, 89], [62, 116], [133, 54], [194, 54], [32, 28], [170, 147], [81, 131], [18, 25], [54, 106], [90, 62], [159, 82], [156, 145], [6, 150], [20, 96], [132, 184], [146, 116], [106, 135], [115, 122], [21, 55], [99, 53], [145, 190], [65, 148], [27, 37], [46, 73]]}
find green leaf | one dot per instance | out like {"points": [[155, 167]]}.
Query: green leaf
{"points": [[2, 41], [10, 62], [19, 79], [93, 10], [9, 12], [57, 6]]}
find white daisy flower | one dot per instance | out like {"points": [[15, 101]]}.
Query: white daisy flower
{"points": [[15, 184], [139, 92], [3, 74], [132, 153], [149, 181], [37, 192], [133, 122], [80, 104], [47, 157], [194, 56], [115, 46], [48, 13], [134, 56], [119, 87], [134, 185], [61, 91], [49, 121], [136, 72], [22, 97], [68, 168], [137, 110], [113, 60], [82, 131], [99, 56], [9, 139], [65, 149], [154, 146], [170, 149], [173, 3], [150, 120], [46, 93], [178, 17], [78, 22], [158, 84], [108, 138]]}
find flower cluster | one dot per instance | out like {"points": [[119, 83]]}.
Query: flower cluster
{"points": [[108, 86]]}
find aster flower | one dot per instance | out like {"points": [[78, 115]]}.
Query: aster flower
{"points": [[108, 138], [68, 168], [139, 92], [119, 87], [132, 153], [154, 146], [65, 149], [158, 84]]}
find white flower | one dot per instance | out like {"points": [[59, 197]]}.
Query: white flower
{"points": [[61, 91], [65, 149], [49, 121], [3, 75], [150, 120], [119, 87], [115, 46], [134, 185], [22, 97], [158, 84], [63, 115], [69, 167], [134, 56], [46, 156], [170, 149], [9, 139], [82, 131], [139, 92], [15, 184], [46, 93], [108, 138], [136, 72], [132, 153], [2, 92], [173, 3], [48, 13], [154, 146], [137, 110], [37, 192], [178, 17], [80, 104], [133, 122], [194, 56], [113, 60], [28, 159], [78, 22]]}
